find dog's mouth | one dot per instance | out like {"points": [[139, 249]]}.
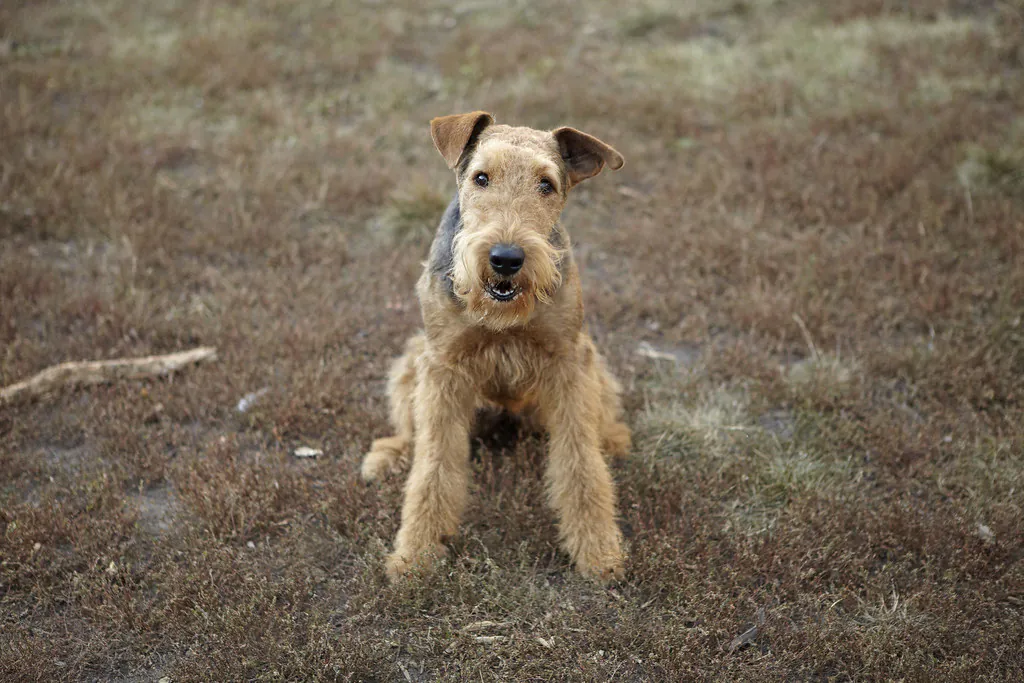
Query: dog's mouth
{"points": [[502, 290]]}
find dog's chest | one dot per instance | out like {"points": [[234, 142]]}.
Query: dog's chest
{"points": [[506, 368]]}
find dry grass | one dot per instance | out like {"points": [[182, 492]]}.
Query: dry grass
{"points": [[819, 235]]}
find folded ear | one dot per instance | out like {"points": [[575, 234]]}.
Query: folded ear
{"points": [[453, 134], [585, 155]]}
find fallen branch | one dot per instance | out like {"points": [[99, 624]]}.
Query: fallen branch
{"points": [[83, 373]]}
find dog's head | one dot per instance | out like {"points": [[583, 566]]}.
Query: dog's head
{"points": [[512, 187]]}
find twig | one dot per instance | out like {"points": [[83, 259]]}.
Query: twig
{"points": [[647, 351], [84, 373], [489, 640], [482, 625], [750, 634], [807, 337]]}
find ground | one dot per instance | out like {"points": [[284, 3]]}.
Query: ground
{"points": [[809, 277]]}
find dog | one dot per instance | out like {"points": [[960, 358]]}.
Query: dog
{"points": [[503, 326]]}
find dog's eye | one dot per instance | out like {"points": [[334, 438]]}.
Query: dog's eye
{"points": [[546, 187], [481, 179]]}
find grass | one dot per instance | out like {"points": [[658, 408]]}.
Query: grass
{"points": [[817, 243]]}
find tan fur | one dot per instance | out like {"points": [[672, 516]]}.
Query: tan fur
{"points": [[530, 355]]}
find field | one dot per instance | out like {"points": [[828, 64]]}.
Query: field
{"points": [[809, 277]]}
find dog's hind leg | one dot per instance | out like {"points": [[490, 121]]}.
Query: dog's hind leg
{"points": [[391, 454], [616, 438]]}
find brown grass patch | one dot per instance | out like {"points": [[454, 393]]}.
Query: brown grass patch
{"points": [[820, 229]]}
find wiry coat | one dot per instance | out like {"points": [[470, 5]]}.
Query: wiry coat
{"points": [[529, 354]]}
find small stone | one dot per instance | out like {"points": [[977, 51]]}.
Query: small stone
{"points": [[250, 399]]}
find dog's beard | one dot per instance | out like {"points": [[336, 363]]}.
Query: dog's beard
{"points": [[500, 302]]}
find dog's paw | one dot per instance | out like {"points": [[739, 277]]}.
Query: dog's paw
{"points": [[401, 562], [376, 465], [602, 561], [605, 570], [386, 456], [617, 440]]}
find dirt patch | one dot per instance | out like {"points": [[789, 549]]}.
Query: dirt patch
{"points": [[781, 423], [158, 510]]}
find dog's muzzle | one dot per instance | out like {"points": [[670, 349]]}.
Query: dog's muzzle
{"points": [[506, 260]]}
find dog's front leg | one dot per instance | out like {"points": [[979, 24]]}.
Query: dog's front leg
{"points": [[580, 487], [435, 492]]}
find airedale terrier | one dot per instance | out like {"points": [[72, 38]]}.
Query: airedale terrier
{"points": [[503, 326]]}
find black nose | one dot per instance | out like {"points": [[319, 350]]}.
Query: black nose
{"points": [[506, 259]]}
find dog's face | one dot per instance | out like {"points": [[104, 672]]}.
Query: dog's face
{"points": [[512, 187]]}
